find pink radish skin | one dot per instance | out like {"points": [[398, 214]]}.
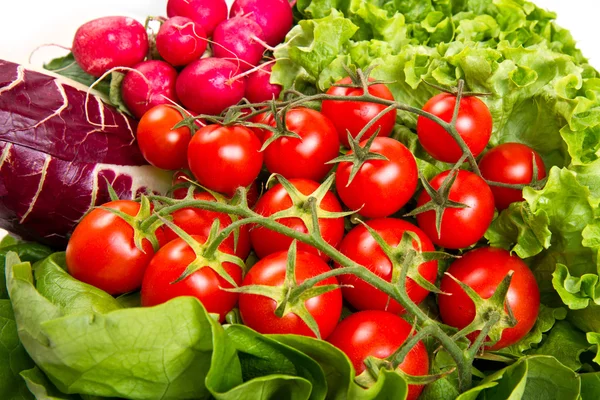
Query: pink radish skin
{"points": [[139, 97], [105, 43], [206, 86], [259, 87], [273, 16], [234, 39], [208, 13], [180, 41]]}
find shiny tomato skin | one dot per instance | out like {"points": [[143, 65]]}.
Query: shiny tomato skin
{"points": [[265, 241], [101, 252], [160, 144], [510, 163], [170, 262], [258, 312], [306, 157], [483, 269], [461, 227], [223, 158], [380, 334], [352, 116], [361, 247], [380, 188], [474, 125], [196, 221]]}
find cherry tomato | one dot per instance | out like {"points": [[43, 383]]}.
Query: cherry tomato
{"points": [[461, 227], [380, 334], [361, 247], [196, 221], [161, 145], [306, 157], [102, 252], [206, 285], [380, 188], [510, 163], [181, 178], [352, 116], [258, 312], [265, 241], [483, 269], [474, 125], [223, 158]]}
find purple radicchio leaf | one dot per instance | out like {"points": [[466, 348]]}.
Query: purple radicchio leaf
{"points": [[54, 158]]}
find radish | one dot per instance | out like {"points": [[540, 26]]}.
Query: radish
{"points": [[273, 16], [208, 86], [105, 43], [239, 38], [208, 13], [152, 83], [180, 41], [259, 87]]}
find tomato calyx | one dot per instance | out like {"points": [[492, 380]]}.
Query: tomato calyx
{"points": [[139, 234], [374, 366], [440, 198], [406, 259], [280, 129], [207, 254], [359, 155], [360, 78], [492, 315], [290, 297], [308, 207], [455, 90]]}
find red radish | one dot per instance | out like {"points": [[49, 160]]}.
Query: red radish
{"points": [[236, 38], [208, 13], [180, 41], [105, 43], [259, 87], [209, 86], [151, 85], [274, 17]]}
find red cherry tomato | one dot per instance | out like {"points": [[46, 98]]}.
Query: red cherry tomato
{"points": [[258, 312], [265, 241], [483, 269], [510, 163], [182, 178], [474, 125], [223, 158], [361, 247], [161, 145], [196, 221], [380, 188], [205, 284], [102, 252], [380, 334], [306, 157], [352, 116], [461, 227]]}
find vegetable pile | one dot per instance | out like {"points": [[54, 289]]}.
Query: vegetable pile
{"points": [[369, 200]]}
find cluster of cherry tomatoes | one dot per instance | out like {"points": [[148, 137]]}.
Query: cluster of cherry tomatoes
{"points": [[222, 158]]}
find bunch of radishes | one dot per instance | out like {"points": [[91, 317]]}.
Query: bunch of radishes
{"points": [[203, 82]]}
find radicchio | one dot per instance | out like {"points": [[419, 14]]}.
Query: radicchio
{"points": [[54, 157]]}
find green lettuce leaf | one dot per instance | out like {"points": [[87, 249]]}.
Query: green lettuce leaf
{"points": [[517, 229], [133, 353], [532, 377]]}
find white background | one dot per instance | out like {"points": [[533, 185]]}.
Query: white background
{"points": [[28, 23]]}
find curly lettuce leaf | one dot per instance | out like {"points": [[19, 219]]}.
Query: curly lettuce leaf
{"points": [[517, 229]]}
